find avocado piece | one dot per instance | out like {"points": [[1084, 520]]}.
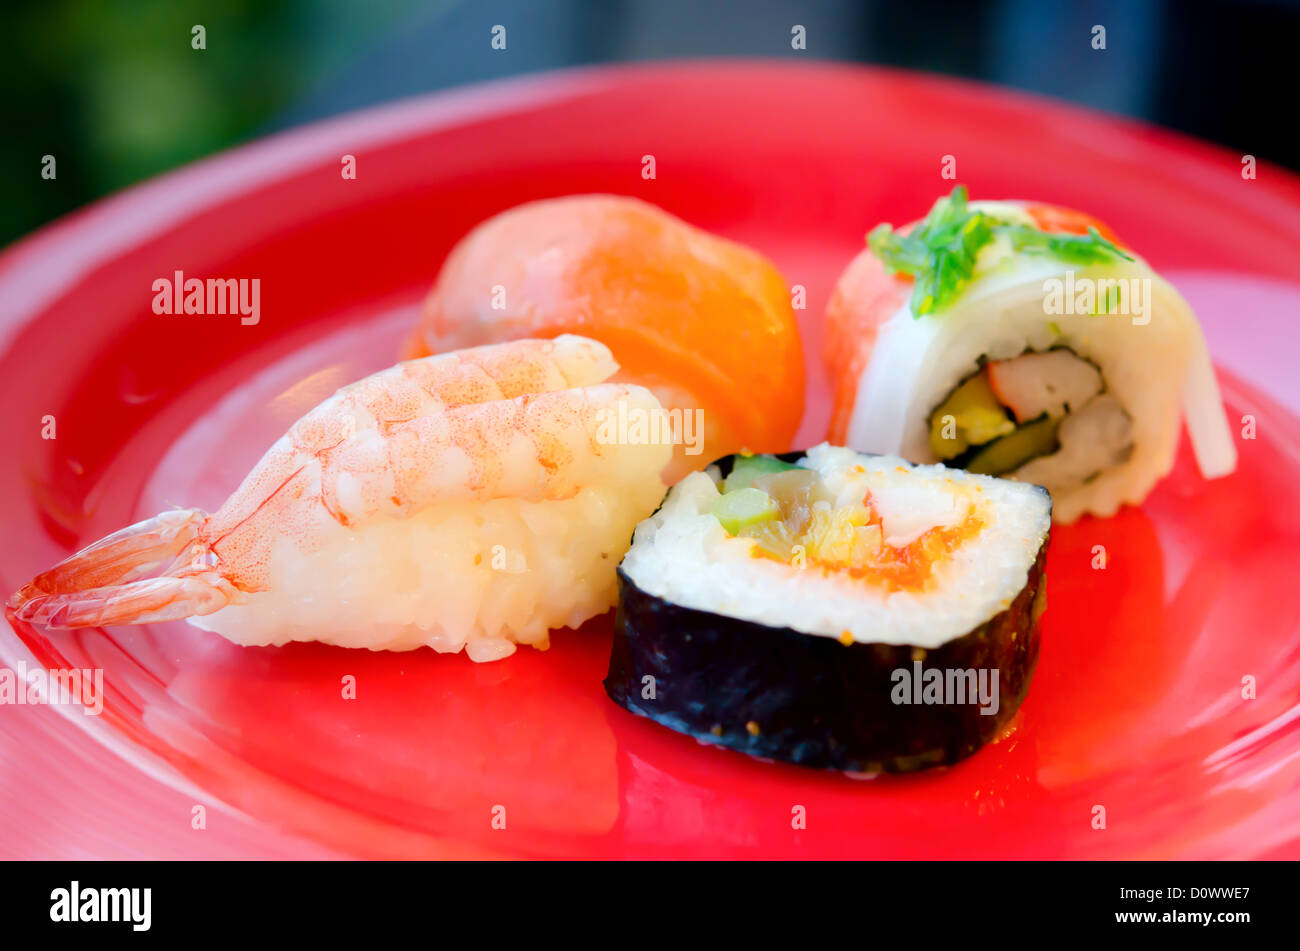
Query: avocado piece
{"points": [[735, 510], [977, 418], [1033, 439], [749, 468]]}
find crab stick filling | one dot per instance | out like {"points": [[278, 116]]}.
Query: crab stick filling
{"points": [[791, 516], [1043, 417]]}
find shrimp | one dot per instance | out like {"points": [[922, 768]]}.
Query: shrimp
{"points": [[332, 534]]}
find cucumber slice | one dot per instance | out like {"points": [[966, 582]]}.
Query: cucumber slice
{"points": [[1034, 439], [977, 417], [735, 510], [748, 468]]}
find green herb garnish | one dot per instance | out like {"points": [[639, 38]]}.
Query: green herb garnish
{"points": [[1090, 248], [940, 252]]}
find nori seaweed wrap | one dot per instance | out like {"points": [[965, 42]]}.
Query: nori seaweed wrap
{"points": [[891, 634]]}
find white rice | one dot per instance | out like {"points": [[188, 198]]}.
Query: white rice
{"points": [[482, 577], [682, 554]]}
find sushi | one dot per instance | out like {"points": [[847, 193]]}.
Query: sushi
{"points": [[834, 610], [463, 501], [706, 324], [1025, 341]]}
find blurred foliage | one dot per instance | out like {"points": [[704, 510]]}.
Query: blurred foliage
{"points": [[116, 92]]}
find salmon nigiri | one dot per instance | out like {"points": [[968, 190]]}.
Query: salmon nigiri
{"points": [[705, 323]]}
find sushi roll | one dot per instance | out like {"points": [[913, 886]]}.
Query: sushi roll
{"points": [[1025, 341], [704, 323], [832, 609]]}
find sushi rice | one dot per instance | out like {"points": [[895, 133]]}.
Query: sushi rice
{"points": [[480, 577], [683, 555]]}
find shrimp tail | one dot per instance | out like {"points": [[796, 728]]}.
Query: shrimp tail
{"points": [[155, 570]]}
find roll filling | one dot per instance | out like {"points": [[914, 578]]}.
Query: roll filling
{"points": [[1045, 418], [790, 607]]}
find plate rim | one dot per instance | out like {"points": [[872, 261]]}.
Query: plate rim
{"points": [[92, 235]]}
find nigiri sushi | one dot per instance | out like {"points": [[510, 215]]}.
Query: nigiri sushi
{"points": [[812, 607], [462, 501], [704, 323], [1024, 340]]}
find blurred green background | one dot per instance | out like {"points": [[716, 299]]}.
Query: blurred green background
{"points": [[116, 93]]}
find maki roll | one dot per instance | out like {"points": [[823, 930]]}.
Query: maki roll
{"points": [[832, 609], [1022, 340]]}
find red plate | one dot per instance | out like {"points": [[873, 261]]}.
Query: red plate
{"points": [[1137, 705]]}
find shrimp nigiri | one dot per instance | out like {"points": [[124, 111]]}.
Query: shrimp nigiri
{"points": [[705, 323], [468, 500]]}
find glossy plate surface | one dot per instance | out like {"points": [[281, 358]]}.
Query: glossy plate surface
{"points": [[1137, 705]]}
